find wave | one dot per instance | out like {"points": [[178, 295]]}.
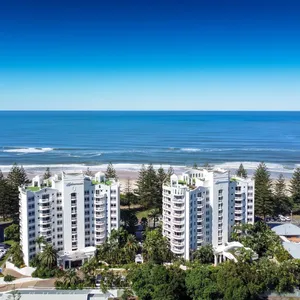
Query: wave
{"points": [[190, 149], [27, 150]]}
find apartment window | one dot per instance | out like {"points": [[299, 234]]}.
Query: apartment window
{"points": [[59, 236], [59, 215], [87, 219], [58, 194], [59, 222]]}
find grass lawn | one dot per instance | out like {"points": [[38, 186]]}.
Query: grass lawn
{"points": [[139, 211], [33, 188], [143, 214]]}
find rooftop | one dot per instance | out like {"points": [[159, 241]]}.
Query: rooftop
{"points": [[293, 249], [33, 188], [287, 230]]}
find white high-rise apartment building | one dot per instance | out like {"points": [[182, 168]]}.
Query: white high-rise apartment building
{"points": [[244, 200], [74, 213], [199, 208]]}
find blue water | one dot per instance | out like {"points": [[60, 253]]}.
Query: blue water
{"points": [[177, 138]]}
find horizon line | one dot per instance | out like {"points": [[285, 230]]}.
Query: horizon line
{"points": [[141, 110]]}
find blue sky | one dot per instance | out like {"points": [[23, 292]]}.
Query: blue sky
{"points": [[204, 55]]}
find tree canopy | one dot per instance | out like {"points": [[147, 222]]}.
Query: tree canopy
{"points": [[110, 172], [241, 172], [264, 205]]}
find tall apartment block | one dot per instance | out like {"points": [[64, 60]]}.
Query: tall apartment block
{"points": [[71, 211], [201, 206]]}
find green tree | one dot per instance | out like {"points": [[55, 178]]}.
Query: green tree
{"points": [[201, 283], [12, 232], [47, 174], [204, 254], [295, 187], [161, 178], [261, 239], [40, 241], [49, 256], [154, 216], [5, 205], [148, 190], [17, 255], [156, 248], [131, 247], [195, 166], [71, 279], [283, 204], [241, 172], [264, 205], [129, 220], [15, 178], [156, 282], [169, 174], [88, 172], [111, 172], [144, 223]]}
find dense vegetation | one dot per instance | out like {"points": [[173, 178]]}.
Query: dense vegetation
{"points": [[273, 198], [9, 193]]}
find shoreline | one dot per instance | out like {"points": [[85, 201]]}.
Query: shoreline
{"points": [[127, 170]]}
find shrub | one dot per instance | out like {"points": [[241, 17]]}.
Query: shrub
{"points": [[9, 278]]}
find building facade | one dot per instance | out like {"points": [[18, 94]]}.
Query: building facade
{"points": [[199, 209], [73, 212]]}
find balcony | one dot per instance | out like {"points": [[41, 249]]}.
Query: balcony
{"points": [[180, 215], [177, 199], [44, 200], [100, 229], [101, 236], [44, 207], [177, 250], [45, 221], [180, 244], [101, 223], [100, 208], [238, 218], [177, 237], [98, 215], [178, 222], [181, 230], [47, 235]]}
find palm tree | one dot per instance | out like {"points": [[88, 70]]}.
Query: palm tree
{"points": [[131, 247], [154, 214], [40, 241], [70, 279], [49, 256], [144, 223], [16, 254]]}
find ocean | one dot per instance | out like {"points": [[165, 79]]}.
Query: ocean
{"points": [[128, 138]]}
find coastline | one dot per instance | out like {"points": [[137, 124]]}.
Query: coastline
{"points": [[127, 170]]}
